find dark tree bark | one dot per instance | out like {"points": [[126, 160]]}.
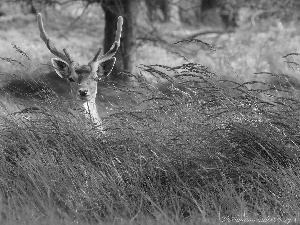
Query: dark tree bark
{"points": [[126, 54], [130, 33]]}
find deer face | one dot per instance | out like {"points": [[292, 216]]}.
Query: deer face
{"points": [[82, 79]]}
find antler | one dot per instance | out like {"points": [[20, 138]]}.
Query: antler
{"points": [[64, 56], [113, 49]]}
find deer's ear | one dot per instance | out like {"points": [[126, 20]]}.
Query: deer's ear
{"points": [[61, 68]]}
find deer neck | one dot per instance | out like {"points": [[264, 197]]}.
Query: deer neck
{"points": [[91, 109]]}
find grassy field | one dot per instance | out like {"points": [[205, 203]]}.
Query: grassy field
{"points": [[211, 140]]}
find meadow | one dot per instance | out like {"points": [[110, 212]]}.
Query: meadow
{"points": [[208, 138]]}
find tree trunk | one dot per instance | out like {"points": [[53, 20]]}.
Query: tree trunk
{"points": [[126, 54], [130, 33]]}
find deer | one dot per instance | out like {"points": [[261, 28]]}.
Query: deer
{"points": [[83, 79]]}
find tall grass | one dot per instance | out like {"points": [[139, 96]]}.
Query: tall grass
{"points": [[193, 148]]}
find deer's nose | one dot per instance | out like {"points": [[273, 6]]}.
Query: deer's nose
{"points": [[83, 92]]}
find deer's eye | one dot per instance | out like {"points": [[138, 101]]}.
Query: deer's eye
{"points": [[71, 79]]}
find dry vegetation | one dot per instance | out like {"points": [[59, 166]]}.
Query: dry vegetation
{"points": [[186, 143]]}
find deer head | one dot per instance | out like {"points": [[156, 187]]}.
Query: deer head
{"points": [[82, 78]]}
